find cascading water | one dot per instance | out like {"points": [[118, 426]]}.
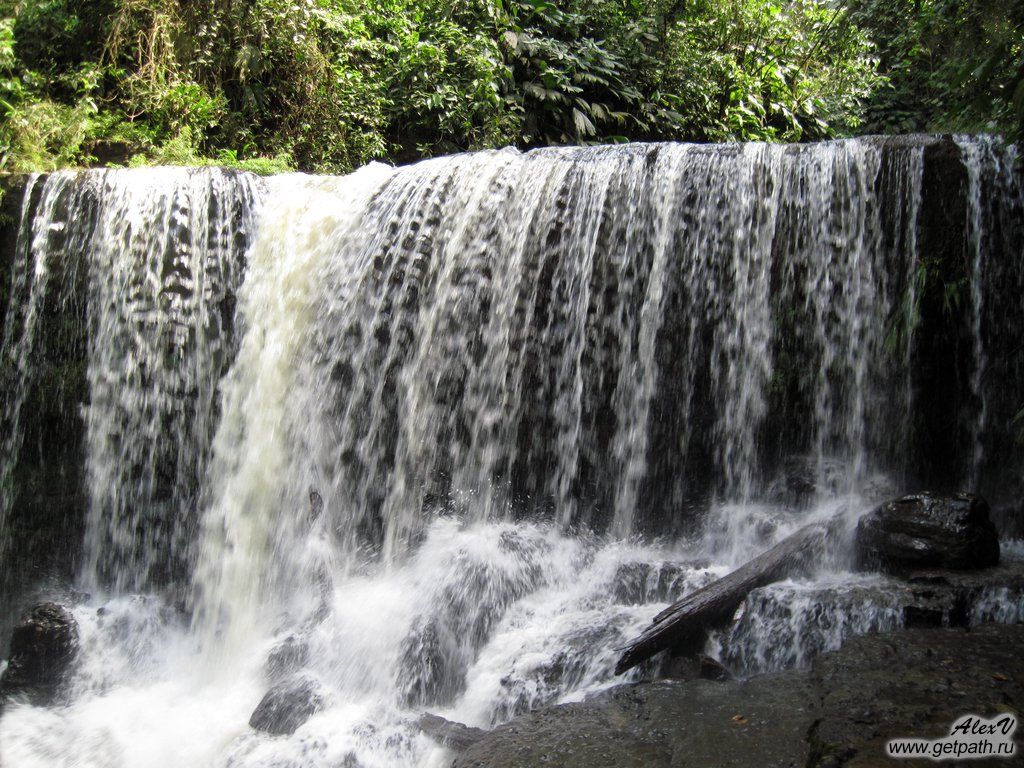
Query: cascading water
{"points": [[160, 253], [475, 421], [43, 239], [164, 266]]}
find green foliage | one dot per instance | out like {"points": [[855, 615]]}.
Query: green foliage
{"points": [[769, 71], [331, 84], [950, 65], [44, 135], [181, 151], [569, 85]]}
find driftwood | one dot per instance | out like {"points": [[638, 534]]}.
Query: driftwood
{"points": [[715, 604]]}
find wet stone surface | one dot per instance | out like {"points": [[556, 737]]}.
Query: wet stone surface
{"points": [[840, 712], [787, 625], [286, 706], [43, 647], [928, 530]]}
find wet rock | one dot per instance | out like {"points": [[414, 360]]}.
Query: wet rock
{"points": [[786, 625], [839, 712], [287, 658], [470, 600], [668, 723], [629, 585], [456, 736], [798, 481], [915, 617], [531, 684], [43, 647], [709, 668], [912, 683], [287, 706], [433, 669], [695, 667], [927, 530], [640, 582]]}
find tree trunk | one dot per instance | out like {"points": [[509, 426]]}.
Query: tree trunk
{"points": [[716, 603]]}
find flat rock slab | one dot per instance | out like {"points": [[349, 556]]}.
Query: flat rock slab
{"points": [[913, 683], [838, 713], [667, 724]]}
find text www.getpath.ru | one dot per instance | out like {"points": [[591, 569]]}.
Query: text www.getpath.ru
{"points": [[970, 736]]}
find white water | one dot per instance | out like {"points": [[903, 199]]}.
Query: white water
{"points": [[520, 614], [163, 258], [475, 405]]}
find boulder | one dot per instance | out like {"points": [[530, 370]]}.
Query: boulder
{"points": [[928, 531], [287, 658], [43, 646], [287, 706]]}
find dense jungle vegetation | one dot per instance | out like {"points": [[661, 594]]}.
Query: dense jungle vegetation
{"points": [[330, 84]]}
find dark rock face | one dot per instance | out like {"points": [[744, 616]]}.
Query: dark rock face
{"points": [[928, 531], [695, 667], [1009, 521], [287, 706], [666, 724], [532, 685], [456, 736], [712, 669], [841, 712], [46, 519], [43, 647], [638, 582]]}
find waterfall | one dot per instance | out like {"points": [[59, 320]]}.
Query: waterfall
{"points": [[441, 437], [164, 267], [157, 258], [28, 283], [487, 334], [44, 245]]}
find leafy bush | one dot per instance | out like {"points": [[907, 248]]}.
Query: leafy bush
{"points": [[950, 65], [768, 70], [331, 84]]}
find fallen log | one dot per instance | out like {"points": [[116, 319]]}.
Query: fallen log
{"points": [[715, 604]]}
